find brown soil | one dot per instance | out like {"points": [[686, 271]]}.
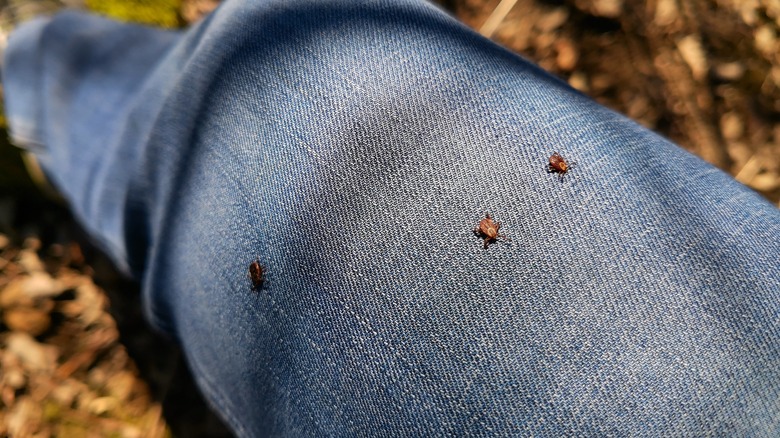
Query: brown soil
{"points": [[77, 358]]}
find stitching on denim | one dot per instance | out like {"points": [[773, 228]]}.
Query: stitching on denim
{"points": [[217, 397], [244, 194]]}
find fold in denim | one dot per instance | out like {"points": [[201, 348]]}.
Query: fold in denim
{"points": [[351, 148]]}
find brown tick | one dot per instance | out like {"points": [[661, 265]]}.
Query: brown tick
{"points": [[488, 229], [559, 165], [257, 274]]}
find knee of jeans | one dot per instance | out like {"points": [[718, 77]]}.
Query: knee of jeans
{"points": [[312, 131]]}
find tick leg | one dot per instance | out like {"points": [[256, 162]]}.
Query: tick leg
{"points": [[487, 241]]}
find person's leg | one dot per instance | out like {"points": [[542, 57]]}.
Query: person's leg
{"points": [[352, 148]]}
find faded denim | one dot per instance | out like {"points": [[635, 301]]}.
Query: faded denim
{"points": [[353, 147]]}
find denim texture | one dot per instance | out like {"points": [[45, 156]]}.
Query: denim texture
{"points": [[353, 147]]}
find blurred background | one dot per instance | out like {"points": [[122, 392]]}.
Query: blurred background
{"points": [[76, 357]]}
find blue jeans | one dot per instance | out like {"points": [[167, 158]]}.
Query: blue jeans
{"points": [[351, 148]]}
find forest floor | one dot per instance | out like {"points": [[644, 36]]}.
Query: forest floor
{"points": [[77, 358]]}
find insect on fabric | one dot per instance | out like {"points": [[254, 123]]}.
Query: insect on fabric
{"points": [[256, 274], [559, 165], [488, 230]]}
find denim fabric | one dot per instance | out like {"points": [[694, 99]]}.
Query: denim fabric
{"points": [[353, 147]]}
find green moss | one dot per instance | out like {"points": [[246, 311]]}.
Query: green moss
{"points": [[71, 430], [163, 13], [51, 411]]}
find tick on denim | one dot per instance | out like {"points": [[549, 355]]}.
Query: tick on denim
{"points": [[558, 164], [256, 274], [488, 230]]}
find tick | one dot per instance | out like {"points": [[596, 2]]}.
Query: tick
{"points": [[257, 274], [488, 230], [559, 165]]}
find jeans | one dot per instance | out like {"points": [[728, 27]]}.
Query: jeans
{"points": [[352, 148]]}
